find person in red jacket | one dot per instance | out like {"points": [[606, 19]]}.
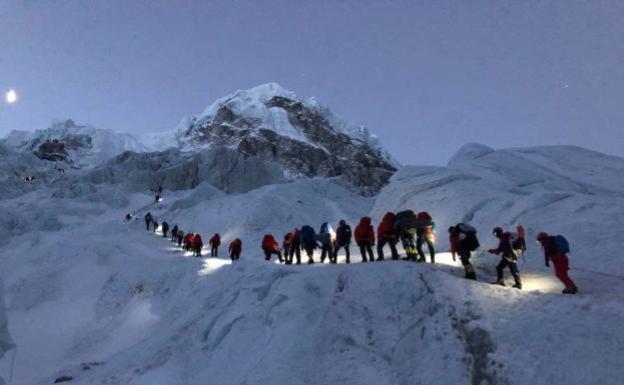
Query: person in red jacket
{"points": [[509, 257], [198, 244], [270, 246], [365, 238], [236, 247], [386, 235], [559, 259], [214, 242]]}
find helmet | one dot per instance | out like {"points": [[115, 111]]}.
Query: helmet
{"points": [[497, 231], [541, 236]]}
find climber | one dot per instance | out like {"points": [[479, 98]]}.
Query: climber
{"points": [[324, 239], [165, 228], [405, 227], [463, 240], [555, 250], [295, 246], [425, 234], [198, 244], [180, 237], [343, 239], [215, 242], [286, 247], [148, 219], [509, 257], [128, 217], [236, 247], [308, 241], [188, 241], [385, 235], [174, 233], [365, 239], [270, 246], [155, 224]]}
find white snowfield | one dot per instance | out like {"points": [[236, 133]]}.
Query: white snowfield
{"points": [[101, 301]]}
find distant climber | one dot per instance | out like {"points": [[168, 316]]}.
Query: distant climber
{"points": [[425, 234], [180, 237], [236, 247], [148, 220], [509, 257], [343, 240], [555, 250], [365, 239], [270, 246], [405, 227], [286, 247], [128, 217], [214, 242], [174, 233], [295, 247], [155, 225], [198, 244], [308, 242], [385, 235], [165, 229], [324, 239], [463, 240]]}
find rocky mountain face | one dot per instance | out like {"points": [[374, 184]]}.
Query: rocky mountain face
{"points": [[268, 123]]}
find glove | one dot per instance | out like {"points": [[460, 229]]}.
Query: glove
{"points": [[492, 251]]}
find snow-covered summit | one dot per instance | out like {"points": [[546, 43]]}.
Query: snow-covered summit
{"points": [[71, 143], [303, 136]]}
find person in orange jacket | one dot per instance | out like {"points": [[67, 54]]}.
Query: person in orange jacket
{"points": [[270, 246], [364, 235]]}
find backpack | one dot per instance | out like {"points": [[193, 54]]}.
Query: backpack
{"points": [[560, 244], [405, 222], [307, 235], [470, 242], [424, 219]]}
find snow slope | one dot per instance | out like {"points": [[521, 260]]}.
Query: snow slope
{"points": [[103, 301], [559, 189]]}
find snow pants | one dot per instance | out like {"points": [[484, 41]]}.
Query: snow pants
{"points": [[294, 250], [561, 269], [235, 255], [180, 241], [428, 239], [513, 267], [469, 270], [392, 243], [327, 252], [409, 245], [347, 252], [366, 247], [269, 252]]}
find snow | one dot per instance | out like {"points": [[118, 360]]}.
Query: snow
{"points": [[107, 302]]}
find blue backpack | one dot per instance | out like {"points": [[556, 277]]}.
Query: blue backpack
{"points": [[561, 244]]}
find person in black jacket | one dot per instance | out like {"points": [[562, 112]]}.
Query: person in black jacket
{"points": [[509, 257], [343, 239]]}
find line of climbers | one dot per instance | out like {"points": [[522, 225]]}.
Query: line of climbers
{"points": [[411, 229], [192, 241]]}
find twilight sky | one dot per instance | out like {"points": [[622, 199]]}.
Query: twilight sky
{"points": [[426, 76]]}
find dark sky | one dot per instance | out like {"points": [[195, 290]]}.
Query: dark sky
{"points": [[426, 76]]}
